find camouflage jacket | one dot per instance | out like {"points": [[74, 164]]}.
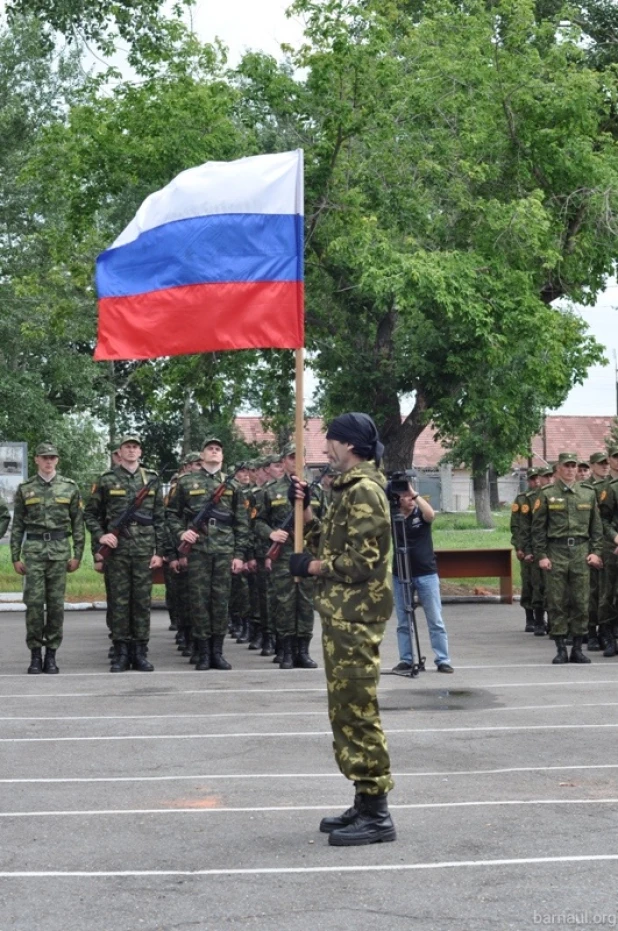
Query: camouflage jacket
{"points": [[227, 532], [275, 507], [516, 520], [5, 519], [355, 583], [42, 507], [111, 495], [607, 494], [562, 511]]}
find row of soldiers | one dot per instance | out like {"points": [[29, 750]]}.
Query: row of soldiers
{"points": [[564, 529], [208, 564]]}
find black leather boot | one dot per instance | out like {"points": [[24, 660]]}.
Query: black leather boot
{"points": [[529, 628], [577, 654], [303, 660], [140, 661], [278, 656], [36, 662], [111, 652], [268, 645], [194, 652], [593, 641], [333, 823], [255, 636], [373, 824], [539, 622], [287, 655], [243, 636], [217, 659], [561, 652], [180, 640], [49, 665], [121, 660], [610, 641], [203, 655]]}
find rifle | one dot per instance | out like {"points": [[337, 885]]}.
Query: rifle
{"points": [[204, 513], [274, 550], [120, 526]]}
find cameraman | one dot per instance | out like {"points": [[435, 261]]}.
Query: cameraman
{"points": [[418, 515]]}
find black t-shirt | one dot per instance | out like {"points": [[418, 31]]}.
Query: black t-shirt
{"points": [[419, 544]]}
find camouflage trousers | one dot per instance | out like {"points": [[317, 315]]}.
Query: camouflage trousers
{"points": [[183, 604], [254, 597], [352, 667], [608, 595], [210, 580], [44, 589], [567, 587], [537, 578], [171, 593], [262, 580], [290, 602], [240, 607], [129, 580], [526, 585], [597, 589]]}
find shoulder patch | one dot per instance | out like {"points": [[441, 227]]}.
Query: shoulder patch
{"points": [[537, 504], [514, 507], [603, 495], [525, 508]]}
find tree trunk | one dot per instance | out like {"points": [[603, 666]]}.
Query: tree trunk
{"points": [[480, 485], [111, 410], [494, 496]]}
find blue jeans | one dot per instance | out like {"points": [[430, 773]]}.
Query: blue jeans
{"points": [[427, 588]]}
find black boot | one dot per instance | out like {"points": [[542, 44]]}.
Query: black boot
{"points": [[593, 641], [287, 654], [194, 653], [173, 625], [181, 642], [36, 662], [330, 824], [140, 661], [111, 652], [278, 656], [610, 641], [268, 645], [529, 628], [539, 622], [49, 666], [121, 659], [372, 825], [243, 636], [255, 636], [303, 660], [217, 659], [561, 655], [577, 655], [203, 655]]}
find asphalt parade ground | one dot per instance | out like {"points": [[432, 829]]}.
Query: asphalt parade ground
{"points": [[182, 801]]}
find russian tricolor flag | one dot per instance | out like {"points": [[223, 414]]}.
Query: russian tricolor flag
{"points": [[213, 261]]}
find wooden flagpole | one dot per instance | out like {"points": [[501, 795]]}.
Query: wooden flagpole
{"points": [[300, 449]]}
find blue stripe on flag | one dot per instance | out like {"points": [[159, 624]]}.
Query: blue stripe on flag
{"points": [[203, 250]]}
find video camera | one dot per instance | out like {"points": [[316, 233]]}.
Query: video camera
{"points": [[398, 484]]}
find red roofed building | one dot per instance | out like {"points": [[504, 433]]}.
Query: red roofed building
{"points": [[252, 431]]}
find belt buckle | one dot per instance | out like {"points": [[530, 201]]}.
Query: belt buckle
{"points": [[570, 541], [47, 537], [212, 522]]}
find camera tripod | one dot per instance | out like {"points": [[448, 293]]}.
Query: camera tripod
{"points": [[402, 557]]}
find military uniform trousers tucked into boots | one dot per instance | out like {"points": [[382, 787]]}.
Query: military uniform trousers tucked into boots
{"points": [[210, 581], [130, 589], [45, 585]]}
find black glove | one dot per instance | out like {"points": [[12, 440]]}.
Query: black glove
{"points": [[299, 565], [294, 484]]}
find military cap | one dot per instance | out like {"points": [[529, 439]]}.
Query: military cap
{"points": [[212, 440], [613, 451], [130, 438], [251, 464], [46, 449], [583, 462], [191, 457], [598, 457], [532, 473], [567, 457], [548, 470], [289, 449], [274, 457]]}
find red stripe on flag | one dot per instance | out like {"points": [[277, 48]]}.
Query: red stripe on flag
{"points": [[202, 318]]}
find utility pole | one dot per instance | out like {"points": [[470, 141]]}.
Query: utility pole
{"points": [[616, 378]]}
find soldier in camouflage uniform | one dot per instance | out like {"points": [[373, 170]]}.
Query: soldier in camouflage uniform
{"points": [[520, 511], [354, 596], [599, 479], [47, 512], [240, 605], [608, 606], [5, 518], [291, 602], [217, 552], [134, 554], [178, 577], [264, 565], [537, 578], [567, 539]]}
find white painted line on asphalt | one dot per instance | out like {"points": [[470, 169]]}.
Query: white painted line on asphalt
{"points": [[228, 776], [296, 808], [295, 870], [46, 696], [279, 734]]}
